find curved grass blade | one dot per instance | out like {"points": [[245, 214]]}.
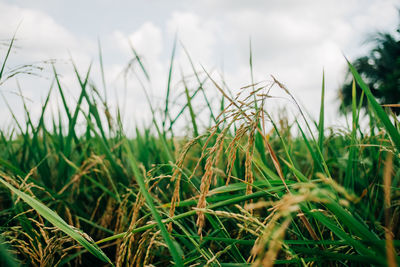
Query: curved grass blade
{"points": [[167, 238], [166, 114], [321, 115], [223, 203], [58, 222], [7, 55], [351, 162]]}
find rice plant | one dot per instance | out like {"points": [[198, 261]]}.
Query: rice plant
{"points": [[250, 188]]}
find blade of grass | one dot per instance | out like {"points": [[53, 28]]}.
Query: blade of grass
{"points": [[7, 55], [103, 79], [321, 115], [58, 222], [171, 65], [230, 201], [200, 84], [192, 114], [352, 159], [140, 180]]}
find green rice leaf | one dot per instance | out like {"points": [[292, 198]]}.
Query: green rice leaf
{"points": [[167, 238], [58, 222]]}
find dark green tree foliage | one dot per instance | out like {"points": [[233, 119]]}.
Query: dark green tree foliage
{"points": [[380, 69]]}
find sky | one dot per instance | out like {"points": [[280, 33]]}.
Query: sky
{"points": [[292, 40]]}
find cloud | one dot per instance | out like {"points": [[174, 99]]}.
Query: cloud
{"points": [[147, 39], [295, 41], [40, 34], [291, 39], [199, 35], [38, 38], [148, 42]]}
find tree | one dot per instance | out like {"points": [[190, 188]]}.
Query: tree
{"points": [[380, 69]]}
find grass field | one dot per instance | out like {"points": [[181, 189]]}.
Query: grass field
{"points": [[248, 190]]}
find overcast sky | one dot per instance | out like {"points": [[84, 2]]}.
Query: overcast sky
{"points": [[292, 40]]}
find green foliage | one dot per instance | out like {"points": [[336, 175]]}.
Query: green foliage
{"points": [[246, 188], [380, 70]]}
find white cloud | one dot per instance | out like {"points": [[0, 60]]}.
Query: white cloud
{"points": [[40, 34], [147, 40], [38, 38], [198, 34], [293, 40]]}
